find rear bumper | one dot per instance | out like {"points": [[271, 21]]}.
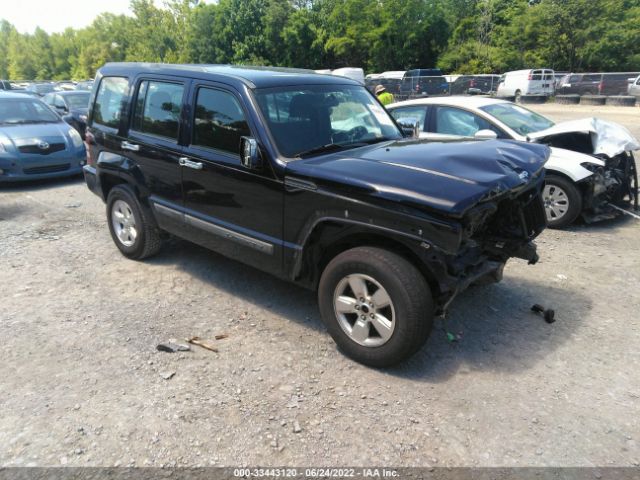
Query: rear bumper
{"points": [[92, 180]]}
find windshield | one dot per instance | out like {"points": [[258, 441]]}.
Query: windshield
{"points": [[78, 100], [27, 110], [517, 118], [313, 118]]}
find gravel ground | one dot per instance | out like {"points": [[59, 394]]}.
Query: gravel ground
{"points": [[82, 383]]}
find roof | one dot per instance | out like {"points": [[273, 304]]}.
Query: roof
{"points": [[454, 100], [252, 77], [65, 93]]}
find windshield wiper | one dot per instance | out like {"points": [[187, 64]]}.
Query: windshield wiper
{"points": [[329, 147]]}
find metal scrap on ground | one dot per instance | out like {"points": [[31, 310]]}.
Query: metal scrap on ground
{"points": [[201, 343]]}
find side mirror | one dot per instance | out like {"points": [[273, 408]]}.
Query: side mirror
{"points": [[486, 135], [410, 127], [249, 153]]}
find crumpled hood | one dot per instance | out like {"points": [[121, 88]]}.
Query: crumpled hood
{"points": [[448, 177], [607, 138]]}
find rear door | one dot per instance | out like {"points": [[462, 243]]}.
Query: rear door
{"points": [[153, 144], [229, 208], [535, 83]]}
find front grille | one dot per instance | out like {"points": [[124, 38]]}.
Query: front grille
{"points": [[47, 169], [35, 149]]}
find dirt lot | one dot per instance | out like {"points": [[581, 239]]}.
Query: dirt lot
{"points": [[82, 382]]}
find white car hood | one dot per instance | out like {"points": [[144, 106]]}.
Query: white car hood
{"points": [[607, 138]]}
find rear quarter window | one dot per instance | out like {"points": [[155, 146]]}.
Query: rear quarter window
{"points": [[111, 96]]}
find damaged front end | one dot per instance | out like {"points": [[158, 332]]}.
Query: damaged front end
{"points": [[494, 231], [614, 184]]}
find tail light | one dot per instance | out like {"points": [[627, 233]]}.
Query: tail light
{"points": [[472, 83], [600, 87], [88, 141], [530, 77]]}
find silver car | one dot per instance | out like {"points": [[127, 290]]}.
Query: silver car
{"points": [[634, 87]]}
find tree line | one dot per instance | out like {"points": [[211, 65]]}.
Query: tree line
{"points": [[459, 36]]}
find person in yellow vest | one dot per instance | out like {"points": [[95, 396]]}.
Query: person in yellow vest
{"points": [[385, 97]]}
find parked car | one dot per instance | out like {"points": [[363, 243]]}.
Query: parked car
{"points": [[591, 164], [595, 83], [35, 142], [424, 82], [41, 88], [72, 105], [526, 82], [5, 85], [633, 87], [474, 84], [85, 85], [307, 177]]}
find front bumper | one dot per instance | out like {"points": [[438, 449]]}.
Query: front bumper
{"points": [[21, 169]]}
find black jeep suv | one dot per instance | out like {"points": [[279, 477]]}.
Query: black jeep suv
{"points": [[307, 177]]}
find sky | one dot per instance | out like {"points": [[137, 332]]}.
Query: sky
{"points": [[56, 15]]}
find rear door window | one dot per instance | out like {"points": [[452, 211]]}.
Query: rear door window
{"points": [[219, 121], [111, 96], [158, 107], [418, 113]]}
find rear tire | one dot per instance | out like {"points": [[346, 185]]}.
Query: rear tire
{"points": [[131, 224], [376, 306], [562, 201]]}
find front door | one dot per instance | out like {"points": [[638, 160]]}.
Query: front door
{"points": [[228, 208]]}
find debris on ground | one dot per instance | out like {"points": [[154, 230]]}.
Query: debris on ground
{"points": [[222, 336], [167, 375], [548, 314], [201, 343], [171, 347], [296, 427]]}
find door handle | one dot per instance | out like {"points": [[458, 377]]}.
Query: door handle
{"points": [[130, 146], [185, 162]]}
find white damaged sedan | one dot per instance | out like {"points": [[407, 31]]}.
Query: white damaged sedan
{"points": [[591, 170]]}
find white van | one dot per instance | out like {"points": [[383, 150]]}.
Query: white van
{"points": [[356, 74], [526, 82]]}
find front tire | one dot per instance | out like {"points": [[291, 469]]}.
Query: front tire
{"points": [[562, 201], [130, 224], [376, 306]]}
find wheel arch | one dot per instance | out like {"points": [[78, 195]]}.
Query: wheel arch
{"points": [[330, 238]]}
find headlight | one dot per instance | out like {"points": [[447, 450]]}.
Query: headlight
{"points": [[75, 137], [592, 167]]}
